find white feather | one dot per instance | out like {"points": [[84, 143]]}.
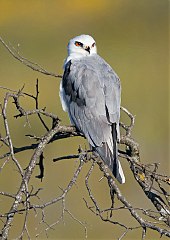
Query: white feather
{"points": [[62, 98]]}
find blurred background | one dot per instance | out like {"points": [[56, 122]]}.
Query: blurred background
{"points": [[132, 36]]}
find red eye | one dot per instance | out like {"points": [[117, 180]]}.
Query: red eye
{"points": [[78, 44], [93, 44]]}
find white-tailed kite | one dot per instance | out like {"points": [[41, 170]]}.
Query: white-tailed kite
{"points": [[90, 92]]}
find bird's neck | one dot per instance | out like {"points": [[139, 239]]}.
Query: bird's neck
{"points": [[75, 56]]}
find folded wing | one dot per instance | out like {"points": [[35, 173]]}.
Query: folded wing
{"points": [[90, 92]]}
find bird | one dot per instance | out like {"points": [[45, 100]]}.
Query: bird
{"points": [[90, 92]]}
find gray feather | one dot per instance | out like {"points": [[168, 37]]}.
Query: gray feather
{"points": [[92, 96]]}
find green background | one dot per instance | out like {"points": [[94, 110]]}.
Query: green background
{"points": [[132, 36]]}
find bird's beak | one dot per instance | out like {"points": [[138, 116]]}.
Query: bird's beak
{"points": [[87, 48]]}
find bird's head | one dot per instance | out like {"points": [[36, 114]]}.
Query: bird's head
{"points": [[81, 46]]}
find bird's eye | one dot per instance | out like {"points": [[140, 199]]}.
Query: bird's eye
{"points": [[78, 44], [93, 44]]}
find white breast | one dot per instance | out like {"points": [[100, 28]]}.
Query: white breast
{"points": [[62, 98]]}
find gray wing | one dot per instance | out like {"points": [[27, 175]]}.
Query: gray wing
{"points": [[113, 97], [92, 95]]}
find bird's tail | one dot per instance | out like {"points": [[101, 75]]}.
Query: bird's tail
{"points": [[108, 151], [111, 161]]}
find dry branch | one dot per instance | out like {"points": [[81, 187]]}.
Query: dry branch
{"points": [[153, 184], [34, 66]]}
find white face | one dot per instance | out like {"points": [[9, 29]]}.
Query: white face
{"points": [[83, 45]]}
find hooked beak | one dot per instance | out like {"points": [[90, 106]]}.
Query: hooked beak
{"points": [[87, 48]]}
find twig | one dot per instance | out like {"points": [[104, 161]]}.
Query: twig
{"points": [[37, 107], [28, 63], [144, 224], [151, 182], [26, 178]]}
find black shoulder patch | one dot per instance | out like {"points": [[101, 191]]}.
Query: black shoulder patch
{"points": [[69, 88], [65, 77]]}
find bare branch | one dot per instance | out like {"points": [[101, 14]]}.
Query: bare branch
{"points": [[150, 181], [25, 61], [26, 178], [144, 224]]}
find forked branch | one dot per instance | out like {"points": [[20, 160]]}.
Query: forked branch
{"points": [[153, 184]]}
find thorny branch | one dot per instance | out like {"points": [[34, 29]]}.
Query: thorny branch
{"points": [[153, 184]]}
